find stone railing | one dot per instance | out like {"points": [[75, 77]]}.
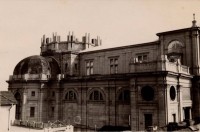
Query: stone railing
{"points": [[143, 67], [169, 66], [158, 66], [35, 77], [30, 77]]}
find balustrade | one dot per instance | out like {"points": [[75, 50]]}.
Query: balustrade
{"points": [[30, 77], [158, 66]]}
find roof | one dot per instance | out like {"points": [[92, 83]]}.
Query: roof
{"points": [[7, 98], [33, 65], [178, 30], [107, 48], [37, 64]]}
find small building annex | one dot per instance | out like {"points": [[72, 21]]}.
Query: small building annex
{"points": [[7, 110], [137, 85]]}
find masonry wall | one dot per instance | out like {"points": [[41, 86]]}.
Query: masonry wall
{"points": [[109, 111], [125, 57], [96, 113]]}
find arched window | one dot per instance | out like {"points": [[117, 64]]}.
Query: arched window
{"points": [[175, 46], [96, 96], [175, 51], [124, 96], [70, 96]]}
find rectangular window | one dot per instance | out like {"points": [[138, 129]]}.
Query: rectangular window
{"points": [[89, 67], [113, 65], [33, 93], [32, 111], [52, 111], [142, 58]]}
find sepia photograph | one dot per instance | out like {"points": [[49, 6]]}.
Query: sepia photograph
{"points": [[99, 65]]}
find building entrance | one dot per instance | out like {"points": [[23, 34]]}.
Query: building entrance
{"points": [[187, 113], [148, 120]]}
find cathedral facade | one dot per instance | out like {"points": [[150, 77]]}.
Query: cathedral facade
{"points": [[140, 85]]}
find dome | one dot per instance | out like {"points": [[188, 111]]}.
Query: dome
{"points": [[32, 65]]}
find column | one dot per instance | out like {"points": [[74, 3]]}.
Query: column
{"points": [[190, 113]]}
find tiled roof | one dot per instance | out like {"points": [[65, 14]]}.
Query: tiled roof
{"points": [[7, 98]]}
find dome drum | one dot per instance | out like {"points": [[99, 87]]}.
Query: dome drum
{"points": [[30, 77]]}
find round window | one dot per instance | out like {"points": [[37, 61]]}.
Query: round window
{"points": [[147, 93], [172, 93]]}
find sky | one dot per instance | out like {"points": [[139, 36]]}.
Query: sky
{"points": [[117, 22]]}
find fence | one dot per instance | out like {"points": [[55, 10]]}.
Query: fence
{"points": [[48, 127]]}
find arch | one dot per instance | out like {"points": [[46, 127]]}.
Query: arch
{"points": [[17, 96], [70, 95], [96, 95], [175, 46], [147, 93]]}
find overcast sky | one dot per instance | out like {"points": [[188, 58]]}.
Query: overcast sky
{"points": [[117, 22]]}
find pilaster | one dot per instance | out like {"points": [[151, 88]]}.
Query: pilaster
{"points": [[24, 104], [40, 105], [195, 48], [162, 105], [134, 109], [180, 102]]}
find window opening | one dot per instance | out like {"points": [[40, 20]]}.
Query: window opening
{"points": [[113, 65]]}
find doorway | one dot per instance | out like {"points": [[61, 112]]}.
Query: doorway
{"points": [[174, 117], [148, 120], [187, 113]]}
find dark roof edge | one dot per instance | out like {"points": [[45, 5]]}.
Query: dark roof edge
{"points": [[178, 30], [122, 47]]}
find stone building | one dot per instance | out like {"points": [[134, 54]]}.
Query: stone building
{"points": [[139, 85]]}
